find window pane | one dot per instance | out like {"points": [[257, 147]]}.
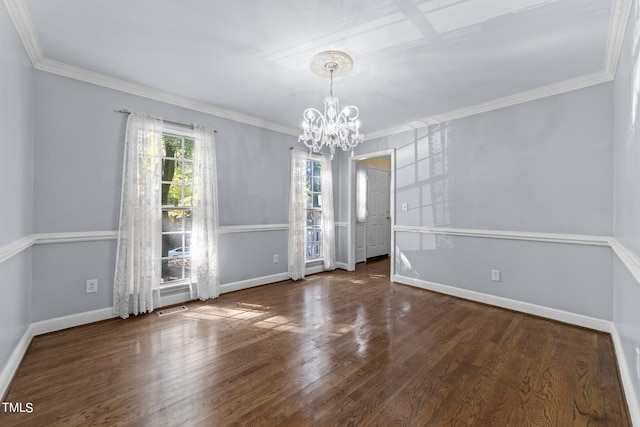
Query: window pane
{"points": [[168, 169], [171, 145], [314, 251], [188, 148], [186, 214], [176, 269], [316, 184], [186, 171], [173, 196], [164, 199], [170, 242], [316, 168], [186, 195], [307, 192], [172, 221]]}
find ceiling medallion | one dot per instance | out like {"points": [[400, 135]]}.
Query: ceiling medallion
{"points": [[335, 128]]}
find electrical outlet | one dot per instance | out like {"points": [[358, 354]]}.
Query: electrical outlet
{"points": [[275, 258], [405, 206], [91, 286], [495, 275]]}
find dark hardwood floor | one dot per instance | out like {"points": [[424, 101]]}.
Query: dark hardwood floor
{"points": [[337, 349]]}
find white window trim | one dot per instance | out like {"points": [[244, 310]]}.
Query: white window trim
{"points": [[321, 258], [182, 132]]}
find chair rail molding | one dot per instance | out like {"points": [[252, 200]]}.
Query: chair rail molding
{"points": [[576, 239], [14, 248]]}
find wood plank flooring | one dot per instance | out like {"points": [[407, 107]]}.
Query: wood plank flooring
{"points": [[338, 349]]}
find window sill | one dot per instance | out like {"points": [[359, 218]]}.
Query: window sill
{"points": [[175, 284]]}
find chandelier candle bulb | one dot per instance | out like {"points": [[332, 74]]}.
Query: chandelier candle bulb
{"points": [[335, 128]]}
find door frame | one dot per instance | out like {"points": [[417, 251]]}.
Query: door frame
{"points": [[351, 227]]}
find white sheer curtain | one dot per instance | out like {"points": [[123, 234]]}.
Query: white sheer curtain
{"points": [[139, 236], [328, 224], [204, 234], [297, 215], [361, 194]]}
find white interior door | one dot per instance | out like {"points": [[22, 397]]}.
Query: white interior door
{"points": [[378, 231]]}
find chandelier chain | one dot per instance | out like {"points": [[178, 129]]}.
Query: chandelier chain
{"points": [[331, 86]]}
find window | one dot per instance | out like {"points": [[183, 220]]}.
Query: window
{"points": [[361, 194], [176, 188], [313, 206]]}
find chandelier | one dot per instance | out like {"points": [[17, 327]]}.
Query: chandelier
{"points": [[335, 128]]}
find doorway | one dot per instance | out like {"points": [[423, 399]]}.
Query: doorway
{"points": [[373, 218], [370, 229]]}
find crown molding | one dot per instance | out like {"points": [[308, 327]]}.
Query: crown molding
{"points": [[496, 104], [619, 18], [87, 76], [19, 14], [618, 22]]}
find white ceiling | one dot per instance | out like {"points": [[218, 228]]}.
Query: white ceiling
{"points": [[415, 61]]}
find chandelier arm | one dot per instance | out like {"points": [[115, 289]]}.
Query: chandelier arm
{"points": [[313, 129], [346, 112]]}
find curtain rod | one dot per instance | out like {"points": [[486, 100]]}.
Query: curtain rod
{"points": [[291, 147], [165, 121]]}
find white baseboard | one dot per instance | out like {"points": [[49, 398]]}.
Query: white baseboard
{"points": [[342, 266], [64, 322], [265, 280], [524, 307], [627, 379], [10, 368], [250, 283]]}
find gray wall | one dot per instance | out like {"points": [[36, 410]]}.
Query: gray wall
{"points": [[626, 225], [79, 140], [16, 146], [544, 166]]}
